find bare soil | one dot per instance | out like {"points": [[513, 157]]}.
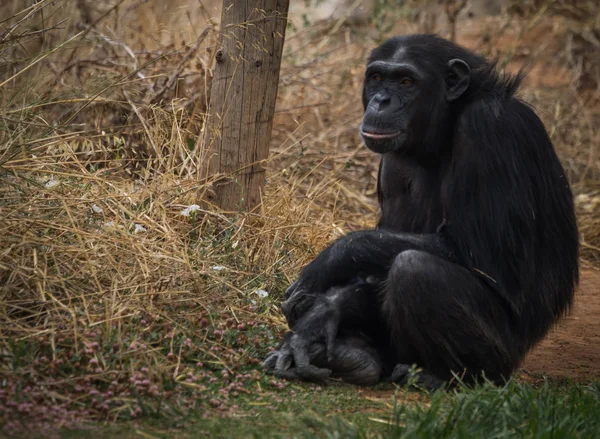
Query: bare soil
{"points": [[572, 348]]}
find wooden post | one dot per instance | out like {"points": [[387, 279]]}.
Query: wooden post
{"points": [[242, 100]]}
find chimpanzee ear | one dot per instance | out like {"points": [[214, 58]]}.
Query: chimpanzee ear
{"points": [[458, 78]]}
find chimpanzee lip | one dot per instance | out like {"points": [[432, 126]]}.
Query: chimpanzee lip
{"points": [[380, 136]]}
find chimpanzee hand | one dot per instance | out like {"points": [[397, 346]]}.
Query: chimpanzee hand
{"points": [[299, 298], [293, 360], [310, 345], [324, 272]]}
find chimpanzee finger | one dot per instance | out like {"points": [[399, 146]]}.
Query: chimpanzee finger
{"points": [[270, 361], [281, 358], [285, 359], [288, 309], [310, 373], [295, 306], [304, 369], [317, 375], [289, 374], [291, 289], [299, 349], [314, 374]]}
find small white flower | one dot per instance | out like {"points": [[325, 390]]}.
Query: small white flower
{"points": [[139, 228], [52, 183], [191, 208], [262, 293], [109, 224], [96, 209], [217, 268]]}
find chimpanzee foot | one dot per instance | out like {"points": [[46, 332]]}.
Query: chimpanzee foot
{"points": [[355, 360], [308, 373], [406, 374], [293, 360], [281, 364], [271, 360]]}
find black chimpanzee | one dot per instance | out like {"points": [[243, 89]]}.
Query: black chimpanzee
{"points": [[475, 255]]}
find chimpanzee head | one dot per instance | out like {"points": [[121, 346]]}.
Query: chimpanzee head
{"points": [[410, 86]]}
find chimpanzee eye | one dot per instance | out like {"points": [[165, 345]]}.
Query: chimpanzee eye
{"points": [[406, 81], [377, 77]]}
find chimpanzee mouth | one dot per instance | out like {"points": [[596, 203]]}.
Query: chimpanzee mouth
{"points": [[380, 136]]}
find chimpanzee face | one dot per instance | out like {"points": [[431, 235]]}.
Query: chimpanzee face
{"points": [[404, 99]]}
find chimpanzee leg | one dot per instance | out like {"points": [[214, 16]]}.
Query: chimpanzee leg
{"points": [[449, 319], [356, 360]]}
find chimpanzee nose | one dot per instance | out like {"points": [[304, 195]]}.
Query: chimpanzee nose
{"points": [[380, 101]]}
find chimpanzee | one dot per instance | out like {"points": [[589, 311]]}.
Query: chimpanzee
{"points": [[475, 255], [340, 339]]}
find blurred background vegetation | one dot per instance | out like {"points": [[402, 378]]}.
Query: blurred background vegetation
{"points": [[122, 294]]}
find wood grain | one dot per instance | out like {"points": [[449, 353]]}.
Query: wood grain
{"points": [[242, 100]]}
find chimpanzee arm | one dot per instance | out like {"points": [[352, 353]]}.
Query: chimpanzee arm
{"points": [[358, 254]]}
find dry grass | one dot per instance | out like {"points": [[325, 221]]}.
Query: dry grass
{"points": [[110, 296]]}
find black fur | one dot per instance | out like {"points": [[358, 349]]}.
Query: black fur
{"points": [[475, 255]]}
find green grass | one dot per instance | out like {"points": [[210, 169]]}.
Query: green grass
{"points": [[342, 411], [517, 410]]}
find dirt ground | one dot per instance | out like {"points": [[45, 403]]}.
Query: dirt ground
{"points": [[572, 349]]}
